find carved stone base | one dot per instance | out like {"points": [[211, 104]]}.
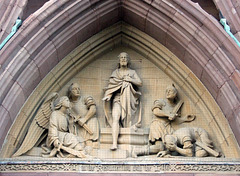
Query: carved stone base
{"points": [[146, 165], [108, 154], [130, 136]]}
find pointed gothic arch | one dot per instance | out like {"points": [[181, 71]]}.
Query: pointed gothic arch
{"points": [[57, 28]]}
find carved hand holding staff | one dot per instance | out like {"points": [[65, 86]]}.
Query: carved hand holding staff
{"points": [[85, 126]]}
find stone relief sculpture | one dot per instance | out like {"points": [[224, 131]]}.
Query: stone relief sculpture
{"points": [[185, 137], [77, 126], [59, 136], [83, 119], [60, 142], [69, 127], [122, 98], [165, 111], [38, 126]]}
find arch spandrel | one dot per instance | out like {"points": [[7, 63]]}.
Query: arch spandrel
{"points": [[91, 64]]}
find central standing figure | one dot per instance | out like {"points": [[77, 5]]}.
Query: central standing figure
{"points": [[122, 98]]}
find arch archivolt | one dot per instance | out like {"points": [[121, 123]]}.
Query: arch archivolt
{"points": [[91, 63]]}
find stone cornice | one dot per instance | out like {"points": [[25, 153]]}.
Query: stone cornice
{"points": [[163, 165]]}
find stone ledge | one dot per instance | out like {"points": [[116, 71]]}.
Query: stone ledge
{"points": [[163, 165]]}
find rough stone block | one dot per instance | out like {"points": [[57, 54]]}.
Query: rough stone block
{"points": [[174, 46], [14, 100], [236, 78], [46, 60], [226, 99], [5, 123], [29, 78], [131, 13]]}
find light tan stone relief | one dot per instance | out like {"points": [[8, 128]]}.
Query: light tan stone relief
{"points": [[112, 109], [90, 69], [58, 132], [122, 99]]}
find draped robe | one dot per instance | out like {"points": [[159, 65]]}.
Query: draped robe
{"points": [[58, 129], [124, 93]]}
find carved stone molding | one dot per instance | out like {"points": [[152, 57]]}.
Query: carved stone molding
{"points": [[181, 26], [112, 38], [116, 166]]}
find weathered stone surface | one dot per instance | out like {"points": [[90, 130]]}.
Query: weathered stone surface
{"points": [[214, 30], [96, 73]]}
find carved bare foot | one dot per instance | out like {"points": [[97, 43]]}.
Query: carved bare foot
{"points": [[134, 127], [114, 147], [134, 153], [162, 154]]}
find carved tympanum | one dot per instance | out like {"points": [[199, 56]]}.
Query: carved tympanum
{"points": [[69, 126]]}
